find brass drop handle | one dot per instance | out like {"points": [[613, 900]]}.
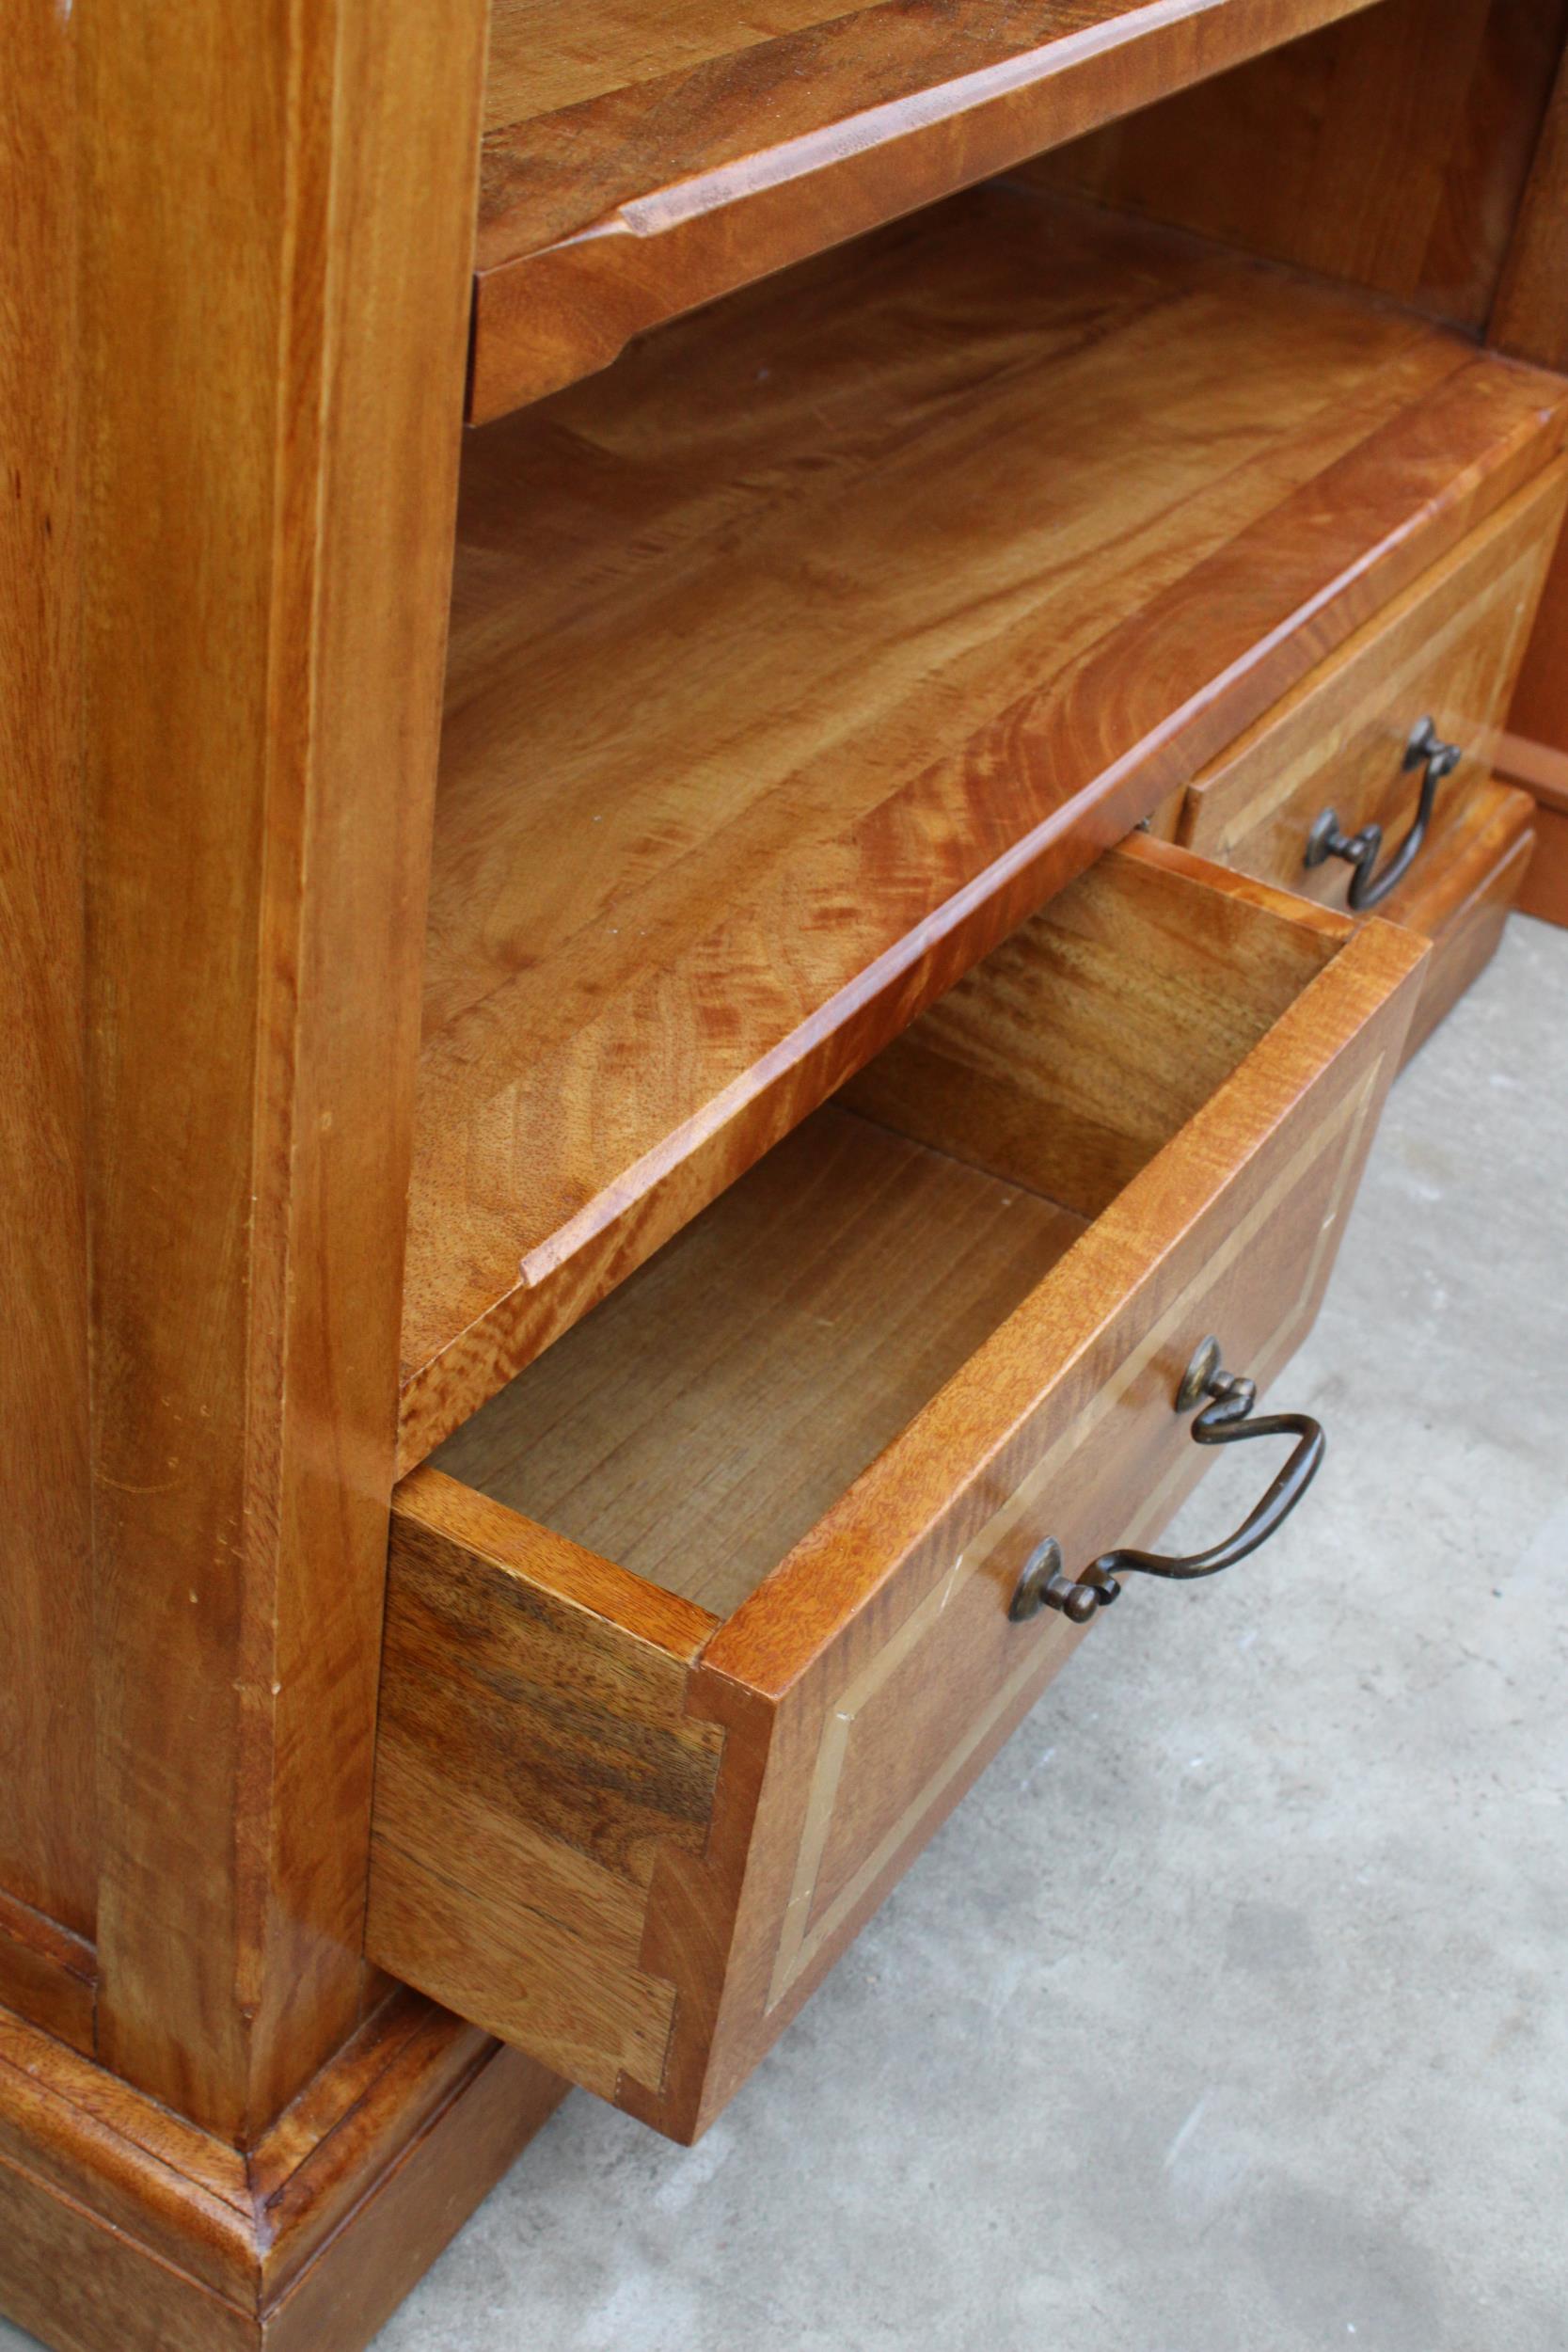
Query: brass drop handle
{"points": [[1426, 749], [1224, 1420]]}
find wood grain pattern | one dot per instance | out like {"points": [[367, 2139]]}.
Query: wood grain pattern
{"points": [[657, 1970], [503, 1641], [123, 2226], [47, 1833], [1105, 976], [1256, 1188], [1390, 151], [639, 165], [668, 917], [48, 1975], [700, 1422], [1530, 315], [1449, 649], [280, 216]]}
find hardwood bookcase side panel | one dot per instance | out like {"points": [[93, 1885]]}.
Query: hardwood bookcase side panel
{"points": [[755, 738], [676, 154], [271, 324], [47, 1827]]}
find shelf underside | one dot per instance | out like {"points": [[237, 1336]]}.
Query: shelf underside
{"points": [[641, 158], [794, 663]]}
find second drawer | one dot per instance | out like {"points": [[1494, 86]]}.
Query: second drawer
{"points": [[698, 1630], [1340, 752]]}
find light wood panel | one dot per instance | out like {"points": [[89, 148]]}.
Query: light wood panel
{"points": [[278, 219], [640, 163], [697, 1424], [791, 666], [1087, 1042], [47, 1838], [1390, 152], [551, 1853]]}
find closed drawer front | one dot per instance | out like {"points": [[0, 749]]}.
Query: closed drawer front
{"points": [[697, 1631], [1448, 651]]}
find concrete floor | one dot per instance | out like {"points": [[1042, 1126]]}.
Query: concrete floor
{"points": [[1227, 2014]]}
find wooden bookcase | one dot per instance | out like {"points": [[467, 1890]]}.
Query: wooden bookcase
{"points": [[576, 584]]}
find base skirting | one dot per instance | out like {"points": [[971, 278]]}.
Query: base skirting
{"points": [[124, 2229]]}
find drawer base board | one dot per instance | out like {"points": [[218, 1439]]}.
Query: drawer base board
{"points": [[1466, 904], [1543, 770], [123, 2229]]}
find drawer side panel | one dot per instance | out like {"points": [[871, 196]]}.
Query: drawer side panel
{"points": [[535, 1755]]}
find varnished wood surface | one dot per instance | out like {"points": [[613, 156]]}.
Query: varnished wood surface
{"points": [[1390, 152], [47, 1806], [1449, 650], [1531, 316], [47, 1975], [1544, 773], [859, 1686], [792, 664], [1465, 900], [1543, 888], [1088, 1039], [1065, 1422], [1539, 720], [698, 1423], [123, 2229], [640, 163], [573, 1677], [280, 220]]}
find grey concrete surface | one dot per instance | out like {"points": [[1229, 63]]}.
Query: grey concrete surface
{"points": [[1227, 2014]]}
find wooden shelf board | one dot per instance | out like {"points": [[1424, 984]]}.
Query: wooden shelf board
{"points": [[795, 663], [641, 159]]}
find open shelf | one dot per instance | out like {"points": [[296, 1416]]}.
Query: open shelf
{"points": [[641, 158], [797, 660]]}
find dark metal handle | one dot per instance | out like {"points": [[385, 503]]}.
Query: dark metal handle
{"points": [[1224, 1420], [1424, 748]]}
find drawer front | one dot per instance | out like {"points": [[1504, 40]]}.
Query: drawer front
{"points": [[631, 1839], [1449, 650]]}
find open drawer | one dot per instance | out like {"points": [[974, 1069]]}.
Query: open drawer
{"points": [[696, 1632]]}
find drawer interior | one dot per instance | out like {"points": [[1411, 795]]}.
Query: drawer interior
{"points": [[701, 1419]]}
